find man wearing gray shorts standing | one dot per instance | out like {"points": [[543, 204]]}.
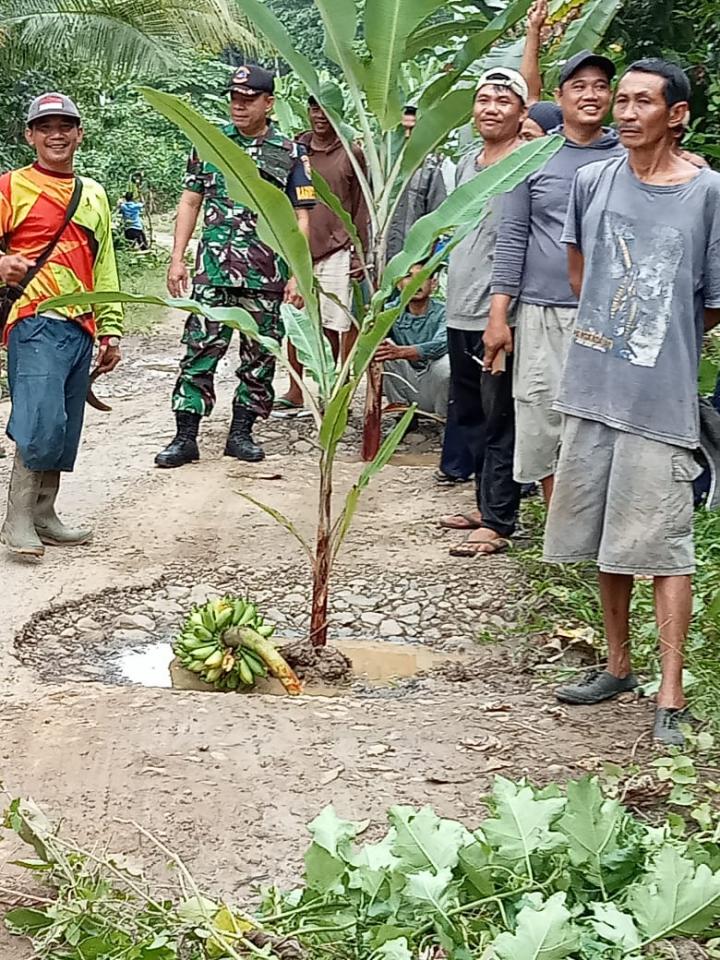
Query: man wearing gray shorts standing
{"points": [[643, 236], [531, 264]]}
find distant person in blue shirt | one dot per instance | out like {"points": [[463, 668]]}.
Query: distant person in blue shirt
{"points": [[417, 369], [131, 213]]}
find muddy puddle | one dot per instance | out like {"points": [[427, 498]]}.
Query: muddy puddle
{"points": [[375, 664]]}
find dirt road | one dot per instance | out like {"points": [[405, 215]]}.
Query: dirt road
{"points": [[229, 781]]}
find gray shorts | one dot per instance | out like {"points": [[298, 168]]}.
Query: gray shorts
{"points": [[622, 500], [542, 339]]}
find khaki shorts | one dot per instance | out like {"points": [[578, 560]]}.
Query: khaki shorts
{"points": [[622, 500], [542, 339], [333, 275]]}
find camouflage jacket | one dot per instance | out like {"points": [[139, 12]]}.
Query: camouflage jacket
{"points": [[230, 253]]}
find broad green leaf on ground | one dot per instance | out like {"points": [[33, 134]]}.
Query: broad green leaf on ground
{"points": [[543, 933], [312, 346], [585, 33], [475, 863], [197, 909], [334, 834], [277, 222], [394, 950], [431, 888], [465, 206], [675, 898], [324, 872], [388, 26], [422, 840], [522, 824], [616, 927], [373, 865], [592, 825], [25, 922], [388, 448]]}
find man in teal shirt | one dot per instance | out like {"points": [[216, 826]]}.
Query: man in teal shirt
{"points": [[417, 369]]}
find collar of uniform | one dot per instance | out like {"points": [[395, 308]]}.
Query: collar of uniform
{"points": [[231, 131]]}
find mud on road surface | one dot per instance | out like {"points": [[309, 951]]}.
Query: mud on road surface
{"points": [[231, 781]]}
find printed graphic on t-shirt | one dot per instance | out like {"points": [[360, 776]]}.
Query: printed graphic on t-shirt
{"points": [[627, 300]]}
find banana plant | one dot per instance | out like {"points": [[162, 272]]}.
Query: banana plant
{"points": [[277, 226]]}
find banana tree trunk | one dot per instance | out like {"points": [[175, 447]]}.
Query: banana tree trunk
{"points": [[322, 567], [372, 433]]}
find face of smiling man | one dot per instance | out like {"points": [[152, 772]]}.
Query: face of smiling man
{"points": [[585, 98]]}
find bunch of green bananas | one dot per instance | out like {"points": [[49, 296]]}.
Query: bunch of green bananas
{"points": [[201, 648]]}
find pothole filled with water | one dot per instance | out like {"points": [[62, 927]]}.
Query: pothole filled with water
{"points": [[401, 630]]}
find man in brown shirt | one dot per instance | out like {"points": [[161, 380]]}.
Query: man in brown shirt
{"points": [[334, 259]]}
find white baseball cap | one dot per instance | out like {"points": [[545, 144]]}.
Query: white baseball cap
{"points": [[504, 77]]}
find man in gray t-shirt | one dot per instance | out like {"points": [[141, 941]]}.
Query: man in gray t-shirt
{"points": [[643, 236]]}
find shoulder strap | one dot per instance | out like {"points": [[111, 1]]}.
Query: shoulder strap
{"points": [[17, 289]]}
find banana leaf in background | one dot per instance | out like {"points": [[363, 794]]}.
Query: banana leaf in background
{"points": [[585, 33]]}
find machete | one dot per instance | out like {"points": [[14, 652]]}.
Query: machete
{"points": [[92, 400]]}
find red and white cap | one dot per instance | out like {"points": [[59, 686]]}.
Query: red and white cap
{"points": [[52, 105]]}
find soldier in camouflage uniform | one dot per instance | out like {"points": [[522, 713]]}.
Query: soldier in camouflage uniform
{"points": [[234, 269]]}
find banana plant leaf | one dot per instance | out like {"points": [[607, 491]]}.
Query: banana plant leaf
{"points": [[432, 129], [326, 196], [277, 223], [389, 24], [474, 48], [272, 29], [440, 34], [313, 348], [465, 205], [234, 317], [340, 21], [585, 33]]}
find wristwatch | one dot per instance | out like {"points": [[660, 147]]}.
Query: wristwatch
{"points": [[110, 341]]}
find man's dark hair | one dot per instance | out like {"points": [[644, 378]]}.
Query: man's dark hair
{"points": [[677, 85], [129, 195]]}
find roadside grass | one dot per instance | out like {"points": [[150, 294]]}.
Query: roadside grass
{"points": [[569, 595], [143, 272]]}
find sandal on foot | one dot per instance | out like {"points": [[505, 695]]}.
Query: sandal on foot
{"points": [[489, 546], [283, 409], [596, 686], [667, 725], [460, 521]]}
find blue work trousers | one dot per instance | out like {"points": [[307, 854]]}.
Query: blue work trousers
{"points": [[48, 374]]}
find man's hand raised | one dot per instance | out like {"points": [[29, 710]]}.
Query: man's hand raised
{"points": [[13, 267], [537, 16]]}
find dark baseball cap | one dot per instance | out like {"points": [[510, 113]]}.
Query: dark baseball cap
{"points": [[52, 105], [586, 58], [252, 80]]}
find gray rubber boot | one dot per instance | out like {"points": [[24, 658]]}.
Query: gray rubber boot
{"points": [[18, 532], [48, 525]]}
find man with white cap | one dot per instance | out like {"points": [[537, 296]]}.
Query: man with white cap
{"points": [[57, 240], [531, 266], [483, 400]]}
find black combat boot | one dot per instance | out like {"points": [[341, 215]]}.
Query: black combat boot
{"points": [[240, 443], [183, 447]]}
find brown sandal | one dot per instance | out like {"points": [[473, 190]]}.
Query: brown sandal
{"points": [[460, 521], [488, 547]]}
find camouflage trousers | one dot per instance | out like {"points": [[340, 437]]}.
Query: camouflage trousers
{"points": [[206, 343]]}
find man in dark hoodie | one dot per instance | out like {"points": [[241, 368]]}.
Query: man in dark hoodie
{"points": [[531, 265], [335, 261]]}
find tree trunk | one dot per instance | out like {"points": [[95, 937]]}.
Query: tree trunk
{"points": [[372, 433], [323, 560]]}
